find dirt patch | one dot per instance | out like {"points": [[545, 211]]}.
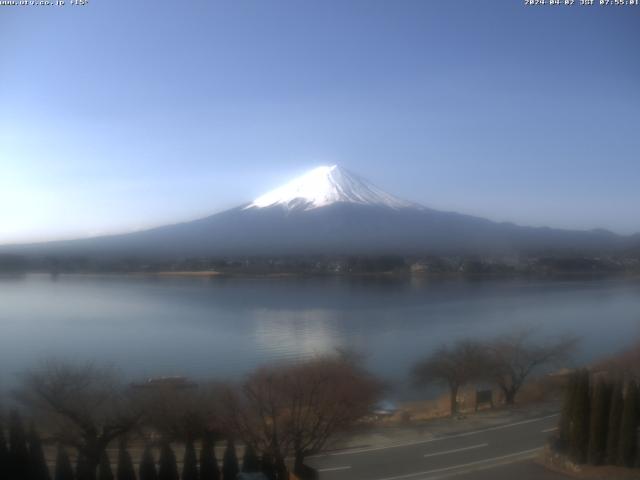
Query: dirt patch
{"points": [[539, 391]]}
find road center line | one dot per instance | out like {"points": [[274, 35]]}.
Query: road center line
{"points": [[436, 439], [463, 465], [480, 445], [334, 469], [550, 430]]}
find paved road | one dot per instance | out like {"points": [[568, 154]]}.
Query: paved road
{"points": [[524, 470], [445, 456]]}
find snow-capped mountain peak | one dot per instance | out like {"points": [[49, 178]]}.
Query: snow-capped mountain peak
{"points": [[325, 185]]}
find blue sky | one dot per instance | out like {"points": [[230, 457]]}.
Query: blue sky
{"points": [[121, 115]]}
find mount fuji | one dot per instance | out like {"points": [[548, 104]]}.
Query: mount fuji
{"points": [[323, 186], [331, 211]]}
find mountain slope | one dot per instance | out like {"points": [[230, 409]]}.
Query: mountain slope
{"points": [[331, 211]]}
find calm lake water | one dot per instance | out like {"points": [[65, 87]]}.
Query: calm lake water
{"points": [[225, 327]]}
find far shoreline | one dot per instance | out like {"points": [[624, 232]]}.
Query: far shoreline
{"points": [[211, 274]]}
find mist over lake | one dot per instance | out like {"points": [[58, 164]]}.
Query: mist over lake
{"points": [[224, 327]]}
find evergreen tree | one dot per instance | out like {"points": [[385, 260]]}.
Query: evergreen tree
{"points": [[84, 470], [629, 427], [208, 463], [104, 468], [250, 461], [281, 468], [147, 469], [598, 423], [38, 469], [230, 462], [190, 462], [579, 428], [125, 469], [18, 451], [267, 466], [4, 455], [615, 419], [63, 469], [168, 467], [566, 414]]}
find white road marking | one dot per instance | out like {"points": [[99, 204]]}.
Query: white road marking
{"points": [[463, 465], [333, 469], [549, 430], [437, 439], [480, 445]]}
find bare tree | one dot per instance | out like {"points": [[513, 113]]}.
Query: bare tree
{"points": [[513, 358], [183, 414], [86, 406], [625, 362], [453, 366], [298, 408]]}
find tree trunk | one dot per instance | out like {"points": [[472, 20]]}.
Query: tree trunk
{"points": [[454, 400], [302, 471], [510, 396]]}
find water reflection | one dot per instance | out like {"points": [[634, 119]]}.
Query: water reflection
{"points": [[225, 327], [286, 334]]}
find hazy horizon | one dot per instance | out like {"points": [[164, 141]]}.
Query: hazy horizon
{"points": [[183, 220], [119, 122]]}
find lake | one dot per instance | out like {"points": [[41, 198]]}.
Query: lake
{"points": [[224, 327]]}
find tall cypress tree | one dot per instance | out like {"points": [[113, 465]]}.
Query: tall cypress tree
{"points": [[598, 423], [168, 466], [566, 415], [84, 468], [38, 469], [125, 469], [267, 466], [18, 451], [4, 455], [208, 463], [104, 468], [579, 428], [190, 462], [281, 468], [63, 469], [629, 427], [147, 470], [250, 461], [230, 468], [615, 419]]}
